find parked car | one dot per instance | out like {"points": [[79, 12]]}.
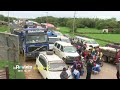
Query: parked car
{"points": [[65, 39], [87, 41], [59, 34], [52, 40], [50, 65], [66, 51]]}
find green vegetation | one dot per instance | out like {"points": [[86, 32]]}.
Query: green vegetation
{"points": [[101, 43], [3, 28], [111, 37], [89, 30], [19, 75]]}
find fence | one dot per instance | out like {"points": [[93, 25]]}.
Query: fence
{"points": [[4, 73]]}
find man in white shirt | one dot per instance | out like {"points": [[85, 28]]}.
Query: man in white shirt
{"points": [[76, 74]]}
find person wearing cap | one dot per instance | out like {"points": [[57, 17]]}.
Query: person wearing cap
{"points": [[64, 74]]}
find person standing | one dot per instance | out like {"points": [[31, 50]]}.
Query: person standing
{"points": [[90, 65], [118, 70]]}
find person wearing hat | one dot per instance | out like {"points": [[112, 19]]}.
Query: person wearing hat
{"points": [[64, 74]]}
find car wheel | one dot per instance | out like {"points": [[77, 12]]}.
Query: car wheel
{"points": [[36, 68], [64, 59]]}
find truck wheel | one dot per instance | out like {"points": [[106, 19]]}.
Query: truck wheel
{"points": [[105, 58], [101, 64]]}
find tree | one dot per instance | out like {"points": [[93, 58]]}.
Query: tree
{"points": [[70, 25]]}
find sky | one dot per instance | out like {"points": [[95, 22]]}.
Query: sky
{"points": [[81, 14]]}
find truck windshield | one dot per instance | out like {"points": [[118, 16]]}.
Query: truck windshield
{"points": [[53, 40], [36, 39]]}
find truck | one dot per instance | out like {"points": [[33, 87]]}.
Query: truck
{"points": [[111, 53], [32, 41]]}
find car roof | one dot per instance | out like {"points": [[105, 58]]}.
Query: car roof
{"points": [[84, 38], [52, 57], [63, 37], [64, 43], [53, 37]]}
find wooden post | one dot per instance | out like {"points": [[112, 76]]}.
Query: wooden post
{"points": [[7, 72]]}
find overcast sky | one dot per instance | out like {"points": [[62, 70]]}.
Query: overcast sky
{"points": [[90, 14]]}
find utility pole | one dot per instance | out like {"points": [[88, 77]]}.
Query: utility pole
{"points": [[8, 21], [74, 23], [46, 17]]}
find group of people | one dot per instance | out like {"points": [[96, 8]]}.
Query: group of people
{"points": [[91, 57]]}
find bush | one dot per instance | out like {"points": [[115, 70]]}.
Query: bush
{"points": [[116, 30]]}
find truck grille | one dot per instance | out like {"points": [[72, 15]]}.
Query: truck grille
{"points": [[30, 49]]}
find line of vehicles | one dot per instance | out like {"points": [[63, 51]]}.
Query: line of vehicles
{"points": [[53, 50]]}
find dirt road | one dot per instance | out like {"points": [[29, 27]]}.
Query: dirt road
{"points": [[108, 71]]}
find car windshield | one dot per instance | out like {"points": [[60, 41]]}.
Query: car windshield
{"points": [[53, 40], [91, 42], [65, 40], [36, 39], [69, 49], [57, 66]]}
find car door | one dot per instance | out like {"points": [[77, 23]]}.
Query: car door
{"points": [[42, 65], [55, 47], [58, 50], [61, 52]]}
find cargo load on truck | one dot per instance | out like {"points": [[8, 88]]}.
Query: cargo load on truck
{"points": [[111, 53]]}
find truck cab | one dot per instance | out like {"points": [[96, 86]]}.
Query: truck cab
{"points": [[33, 41]]}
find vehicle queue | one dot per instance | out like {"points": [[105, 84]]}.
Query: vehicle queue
{"points": [[67, 58]]}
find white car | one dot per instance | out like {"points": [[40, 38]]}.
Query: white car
{"points": [[52, 40], [50, 65], [65, 51], [59, 34], [87, 41], [65, 39]]}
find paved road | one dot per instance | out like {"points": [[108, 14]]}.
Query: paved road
{"points": [[108, 71]]}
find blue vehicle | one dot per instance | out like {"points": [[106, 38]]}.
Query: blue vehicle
{"points": [[32, 41], [50, 33]]}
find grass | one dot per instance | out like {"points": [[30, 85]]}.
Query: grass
{"points": [[111, 37], [3, 28], [19, 75], [89, 30]]}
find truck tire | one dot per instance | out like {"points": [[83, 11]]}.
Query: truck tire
{"points": [[105, 58]]}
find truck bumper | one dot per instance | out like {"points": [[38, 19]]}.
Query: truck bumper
{"points": [[32, 55]]}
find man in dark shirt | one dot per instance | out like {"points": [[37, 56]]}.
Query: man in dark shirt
{"points": [[89, 68]]}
